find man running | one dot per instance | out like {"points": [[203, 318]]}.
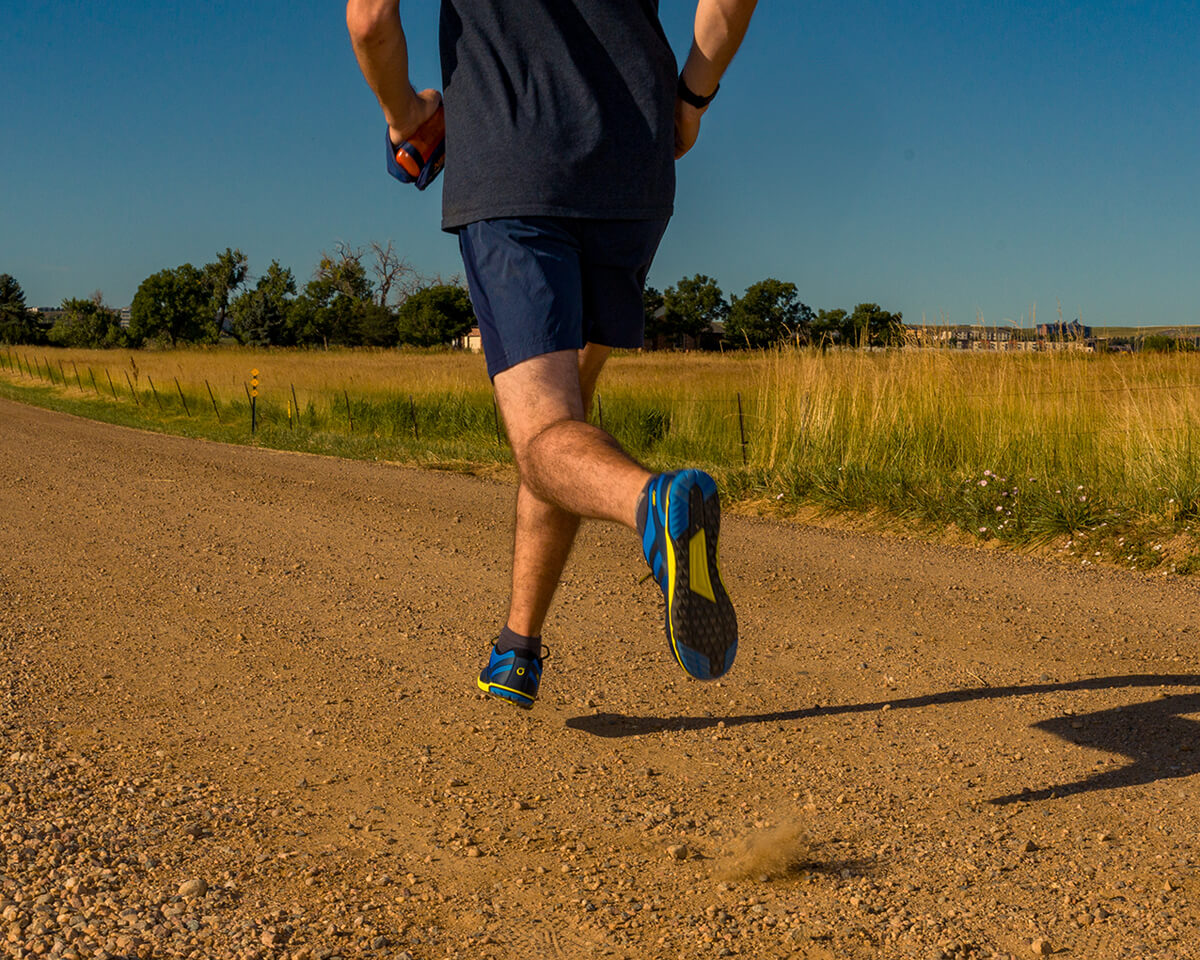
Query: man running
{"points": [[563, 120]]}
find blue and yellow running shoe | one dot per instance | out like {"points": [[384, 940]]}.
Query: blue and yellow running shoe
{"points": [[679, 541], [513, 677]]}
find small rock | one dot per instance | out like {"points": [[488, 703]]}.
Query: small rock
{"points": [[472, 851], [678, 851], [191, 889], [1041, 947], [1028, 847]]}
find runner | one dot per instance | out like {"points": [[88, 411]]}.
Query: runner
{"points": [[562, 123]]}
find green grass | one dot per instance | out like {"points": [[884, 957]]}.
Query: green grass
{"points": [[1091, 456]]}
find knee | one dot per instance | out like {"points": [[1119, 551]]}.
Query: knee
{"points": [[553, 446], [527, 447]]}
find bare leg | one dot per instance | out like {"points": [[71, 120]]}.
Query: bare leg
{"points": [[568, 469]]}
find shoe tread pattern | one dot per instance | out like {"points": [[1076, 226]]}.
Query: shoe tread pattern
{"points": [[703, 632]]}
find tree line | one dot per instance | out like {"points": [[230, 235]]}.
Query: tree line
{"points": [[767, 314], [373, 297], [356, 297]]}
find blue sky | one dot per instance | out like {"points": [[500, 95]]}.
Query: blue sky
{"points": [[945, 160]]}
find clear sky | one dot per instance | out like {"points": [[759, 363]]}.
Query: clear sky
{"points": [[945, 160]]}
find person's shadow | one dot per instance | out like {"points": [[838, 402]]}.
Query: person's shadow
{"points": [[1155, 735]]}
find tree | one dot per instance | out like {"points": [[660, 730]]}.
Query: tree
{"points": [[435, 315], [693, 305], [395, 278], [654, 311], [333, 306], [87, 323], [259, 317], [828, 327], [172, 305], [17, 322], [770, 312], [872, 326], [223, 276]]}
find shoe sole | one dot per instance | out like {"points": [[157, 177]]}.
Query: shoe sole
{"points": [[701, 623], [507, 695]]}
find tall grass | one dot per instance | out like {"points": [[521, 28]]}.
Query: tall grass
{"points": [[1091, 452]]}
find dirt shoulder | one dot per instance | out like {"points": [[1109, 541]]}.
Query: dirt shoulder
{"points": [[255, 669]]}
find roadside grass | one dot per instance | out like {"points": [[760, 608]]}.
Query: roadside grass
{"points": [[1091, 456]]}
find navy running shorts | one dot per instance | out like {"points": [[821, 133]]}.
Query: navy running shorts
{"points": [[543, 284]]}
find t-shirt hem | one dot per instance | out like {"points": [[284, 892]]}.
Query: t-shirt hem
{"points": [[451, 223]]}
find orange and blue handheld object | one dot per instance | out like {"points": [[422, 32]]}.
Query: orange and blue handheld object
{"points": [[420, 158]]}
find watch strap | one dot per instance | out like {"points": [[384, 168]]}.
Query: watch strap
{"points": [[693, 99]]}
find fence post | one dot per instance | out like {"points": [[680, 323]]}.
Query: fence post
{"points": [[349, 415], [294, 403], [254, 400], [181, 399], [412, 412], [214, 401], [110, 383], [63, 372], [600, 410], [496, 420], [132, 392], [154, 391], [93, 376], [742, 429], [77, 380], [49, 369]]}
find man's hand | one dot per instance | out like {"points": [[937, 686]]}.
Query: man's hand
{"points": [[420, 108], [687, 126]]}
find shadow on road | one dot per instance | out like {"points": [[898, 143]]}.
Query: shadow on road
{"points": [[1155, 735]]}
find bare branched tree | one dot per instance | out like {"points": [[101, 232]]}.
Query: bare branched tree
{"points": [[395, 278]]}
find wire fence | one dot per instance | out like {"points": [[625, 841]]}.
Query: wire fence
{"points": [[731, 414]]}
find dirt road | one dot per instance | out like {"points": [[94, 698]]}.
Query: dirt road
{"points": [[239, 720]]}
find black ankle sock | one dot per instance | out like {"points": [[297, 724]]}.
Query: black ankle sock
{"points": [[511, 640]]}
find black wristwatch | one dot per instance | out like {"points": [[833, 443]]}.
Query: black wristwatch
{"points": [[693, 99]]}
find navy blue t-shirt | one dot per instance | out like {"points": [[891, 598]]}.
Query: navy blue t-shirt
{"points": [[557, 108]]}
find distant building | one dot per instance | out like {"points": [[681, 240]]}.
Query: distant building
{"points": [[1045, 337], [711, 339], [472, 340], [1064, 331], [968, 337]]}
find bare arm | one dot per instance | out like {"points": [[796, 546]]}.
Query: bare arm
{"points": [[382, 51], [720, 28]]}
